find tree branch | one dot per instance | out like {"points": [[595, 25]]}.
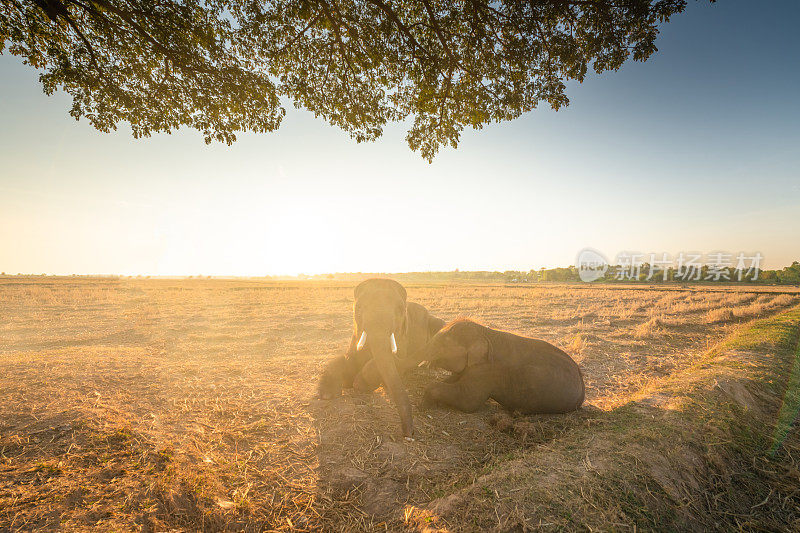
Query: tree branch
{"points": [[299, 35], [400, 26], [171, 54], [334, 23]]}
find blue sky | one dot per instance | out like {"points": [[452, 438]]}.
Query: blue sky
{"points": [[694, 150]]}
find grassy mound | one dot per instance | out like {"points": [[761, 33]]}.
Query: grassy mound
{"points": [[710, 447]]}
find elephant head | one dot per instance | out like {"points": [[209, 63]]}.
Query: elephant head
{"points": [[380, 327], [459, 344]]}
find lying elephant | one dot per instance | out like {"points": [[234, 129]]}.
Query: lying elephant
{"points": [[521, 374], [389, 338]]}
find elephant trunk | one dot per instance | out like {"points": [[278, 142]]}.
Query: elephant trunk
{"points": [[381, 345], [429, 353]]}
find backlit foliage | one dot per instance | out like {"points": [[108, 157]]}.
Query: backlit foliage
{"points": [[224, 66]]}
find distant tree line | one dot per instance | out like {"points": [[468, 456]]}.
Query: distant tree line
{"points": [[787, 276]]}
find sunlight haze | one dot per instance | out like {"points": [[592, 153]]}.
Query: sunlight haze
{"points": [[713, 166]]}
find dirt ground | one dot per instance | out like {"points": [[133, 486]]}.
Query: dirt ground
{"points": [[150, 405]]}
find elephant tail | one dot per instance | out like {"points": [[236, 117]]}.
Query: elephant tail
{"points": [[582, 395]]}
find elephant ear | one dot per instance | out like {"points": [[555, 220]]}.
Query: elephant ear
{"points": [[380, 283], [478, 352]]}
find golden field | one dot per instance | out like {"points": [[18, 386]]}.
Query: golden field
{"points": [[153, 405]]}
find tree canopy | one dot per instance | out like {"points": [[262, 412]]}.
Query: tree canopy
{"points": [[225, 66]]}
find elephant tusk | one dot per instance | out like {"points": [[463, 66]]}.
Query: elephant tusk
{"points": [[362, 341], [394, 343]]}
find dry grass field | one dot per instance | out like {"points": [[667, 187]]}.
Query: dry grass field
{"points": [[153, 405]]}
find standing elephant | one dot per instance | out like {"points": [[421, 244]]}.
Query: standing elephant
{"points": [[521, 374], [389, 338]]}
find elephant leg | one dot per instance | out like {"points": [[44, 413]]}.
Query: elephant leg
{"points": [[368, 379], [468, 394], [332, 379], [339, 373]]}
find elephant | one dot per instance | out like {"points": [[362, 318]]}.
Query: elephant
{"points": [[521, 374], [389, 338]]}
